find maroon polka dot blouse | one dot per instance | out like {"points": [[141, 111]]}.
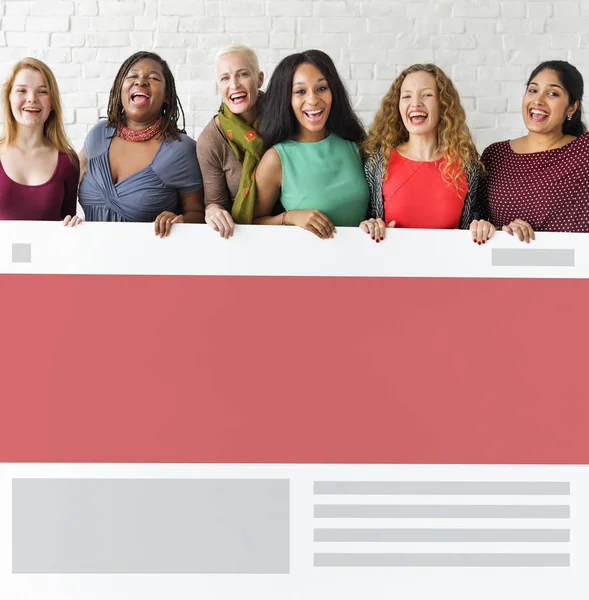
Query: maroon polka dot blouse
{"points": [[549, 189]]}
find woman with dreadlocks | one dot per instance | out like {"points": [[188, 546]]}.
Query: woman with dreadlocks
{"points": [[138, 165]]}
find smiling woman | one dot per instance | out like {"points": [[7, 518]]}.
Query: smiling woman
{"points": [[422, 165], [138, 165], [229, 147], [540, 182], [313, 164], [38, 167]]}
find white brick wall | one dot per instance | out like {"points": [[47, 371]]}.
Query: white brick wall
{"points": [[487, 46]]}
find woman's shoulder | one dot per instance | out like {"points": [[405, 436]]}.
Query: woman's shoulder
{"points": [[184, 144], [69, 162], [495, 151], [210, 138], [97, 139]]}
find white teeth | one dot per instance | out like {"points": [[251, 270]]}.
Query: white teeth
{"points": [[416, 114], [314, 112], [238, 96], [538, 112], [139, 94]]}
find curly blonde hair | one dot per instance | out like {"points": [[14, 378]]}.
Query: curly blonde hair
{"points": [[454, 140]]}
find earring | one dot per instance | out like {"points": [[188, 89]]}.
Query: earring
{"points": [[569, 118]]}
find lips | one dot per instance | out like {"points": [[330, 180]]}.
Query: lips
{"points": [[238, 98], [417, 117], [538, 115], [31, 109], [139, 98], [314, 115]]}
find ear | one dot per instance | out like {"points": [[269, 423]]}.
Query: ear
{"points": [[574, 107], [260, 79]]}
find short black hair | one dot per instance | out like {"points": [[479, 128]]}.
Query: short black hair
{"points": [[277, 119], [572, 81], [171, 108]]}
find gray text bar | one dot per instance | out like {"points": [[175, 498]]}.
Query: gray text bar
{"points": [[441, 511], [442, 535], [442, 488], [529, 257], [442, 560]]}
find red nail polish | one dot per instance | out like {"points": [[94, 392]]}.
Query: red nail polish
{"points": [[372, 237], [479, 243], [381, 239], [377, 241], [483, 241]]}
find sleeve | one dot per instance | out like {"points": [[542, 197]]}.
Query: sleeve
{"points": [[70, 200], [374, 176], [481, 204], [96, 140], [178, 166], [210, 160]]}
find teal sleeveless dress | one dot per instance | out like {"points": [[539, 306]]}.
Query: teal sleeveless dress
{"points": [[326, 175]]}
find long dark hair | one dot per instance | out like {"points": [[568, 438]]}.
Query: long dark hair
{"points": [[277, 119], [572, 82], [171, 108]]}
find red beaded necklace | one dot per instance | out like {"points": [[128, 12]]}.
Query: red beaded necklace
{"points": [[141, 135]]}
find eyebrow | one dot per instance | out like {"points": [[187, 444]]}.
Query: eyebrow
{"points": [[238, 71], [423, 89], [549, 85], [26, 86], [303, 82], [150, 72]]}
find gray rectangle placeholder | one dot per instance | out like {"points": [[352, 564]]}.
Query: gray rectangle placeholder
{"points": [[456, 534], [442, 560], [530, 257], [439, 488], [167, 526], [440, 511]]}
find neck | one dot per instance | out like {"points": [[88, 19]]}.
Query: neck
{"points": [[305, 135], [537, 142], [139, 125], [29, 138], [250, 116], [421, 147]]}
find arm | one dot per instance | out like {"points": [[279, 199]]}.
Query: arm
{"points": [[193, 207], [69, 205], [268, 184], [83, 163]]}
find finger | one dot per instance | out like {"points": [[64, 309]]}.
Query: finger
{"points": [[492, 230], [481, 232], [485, 231], [518, 231], [156, 224], [67, 220], [169, 221], [507, 229], [369, 228], [380, 229], [364, 227], [310, 226], [227, 225], [212, 222], [327, 224], [391, 224], [473, 230], [321, 226]]}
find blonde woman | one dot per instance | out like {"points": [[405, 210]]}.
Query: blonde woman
{"points": [[229, 147], [422, 166], [39, 169]]}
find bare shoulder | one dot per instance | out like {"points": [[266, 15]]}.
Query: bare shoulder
{"points": [[270, 160]]}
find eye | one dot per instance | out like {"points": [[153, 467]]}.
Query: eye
{"points": [[42, 91], [244, 74], [322, 88], [224, 78], [154, 77], [531, 90], [405, 97], [299, 91], [131, 76], [555, 94]]}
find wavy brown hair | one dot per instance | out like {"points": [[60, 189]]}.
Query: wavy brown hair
{"points": [[454, 140], [53, 128]]}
